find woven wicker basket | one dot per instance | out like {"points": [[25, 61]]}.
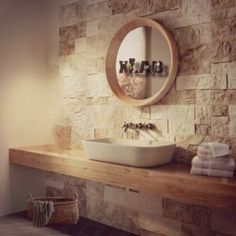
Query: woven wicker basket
{"points": [[66, 210]]}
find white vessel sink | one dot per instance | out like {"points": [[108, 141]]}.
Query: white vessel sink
{"points": [[139, 153]]}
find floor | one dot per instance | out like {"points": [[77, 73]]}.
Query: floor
{"points": [[19, 225]]}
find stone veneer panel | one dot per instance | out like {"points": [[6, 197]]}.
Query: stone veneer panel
{"points": [[141, 213], [200, 106]]}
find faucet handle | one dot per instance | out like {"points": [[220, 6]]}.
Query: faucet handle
{"points": [[140, 125], [150, 126], [124, 125], [130, 124]]}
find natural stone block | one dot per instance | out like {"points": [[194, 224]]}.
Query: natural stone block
{"points": [[96, 51], [80, 118], [203, 114], [75, 181], [68, 36], [206, 81], [127, 5], [232, 111], [145, 112], [95, 65], [218, 139], [219, 97], [218, 110], [97, 119], [111, 214], [115, 195], [97, 86], [100, 133], [93, 28], [123, 218], [177, 18], [68, 14], [203, 97], [160, 6], [95, 189], [132, 199], [131, 134], [62, 136], [100, 40], [231, 74], [151, 203], [98, 101], [197, 8], [80, 45], [189, 140], [219, 75], [223, 24], [231, 95], [67, 39], [185, 97], [80, 134], [223, 221], [189, 62], [97, 10], [232, 118], [219, 4], [220, 126], [192, 214], [97, 210], [54, 192], [91, 2], [193, 36], [202, 129], [116, 21], [160, 112], [181, 124], [225, 50], [56, 184], [65, 69], [152, 222], [160, 132]]}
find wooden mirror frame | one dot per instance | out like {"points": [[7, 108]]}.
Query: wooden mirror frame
{"points": [[112, 55]]}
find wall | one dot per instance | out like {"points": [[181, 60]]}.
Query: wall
{"points": [[204, 92], [200, 106], [26, 97]]}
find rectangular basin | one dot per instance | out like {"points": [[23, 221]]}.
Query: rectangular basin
{"points": [[139, 153]]}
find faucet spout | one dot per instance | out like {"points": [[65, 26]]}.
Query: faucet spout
{"points": [[139, 126]]}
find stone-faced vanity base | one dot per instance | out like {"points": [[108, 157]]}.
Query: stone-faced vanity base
{"points": [[142, 201]]}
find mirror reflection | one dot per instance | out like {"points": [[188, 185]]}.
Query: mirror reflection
{"points": [[142, 63]]}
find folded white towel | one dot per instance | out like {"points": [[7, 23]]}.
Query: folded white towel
{"points": [[211, 172], [207, 151], [222, 164]]}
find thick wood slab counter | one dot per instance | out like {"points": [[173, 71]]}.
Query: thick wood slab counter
{"points": [[170, 181]]}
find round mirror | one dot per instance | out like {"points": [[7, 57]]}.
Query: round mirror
{"points": [[141, 63]]}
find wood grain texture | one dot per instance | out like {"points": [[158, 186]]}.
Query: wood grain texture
{"points": [[112, 54], [171, 181]]}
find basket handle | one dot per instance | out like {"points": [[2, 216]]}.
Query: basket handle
{"points": [[30, 196], [75, 196]]}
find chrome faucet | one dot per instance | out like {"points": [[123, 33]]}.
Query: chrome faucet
{"points": [[131, 125]]}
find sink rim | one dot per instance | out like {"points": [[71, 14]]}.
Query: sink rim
{"points": [[133, 142]]}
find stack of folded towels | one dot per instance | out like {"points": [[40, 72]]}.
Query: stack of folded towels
{"points": [[213, 159]]}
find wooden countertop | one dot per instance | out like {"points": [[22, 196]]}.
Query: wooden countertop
{"points": [[170, 181]]}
